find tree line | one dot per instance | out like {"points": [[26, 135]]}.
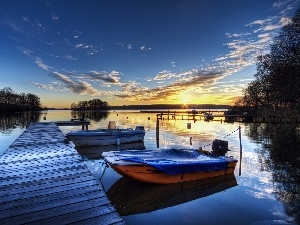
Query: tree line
{"points": [[275, 89], [94, 104], [11, 101]]}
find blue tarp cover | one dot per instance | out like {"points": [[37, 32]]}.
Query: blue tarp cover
{"points": [[174, 161]]}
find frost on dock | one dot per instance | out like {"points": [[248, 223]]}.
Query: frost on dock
{"points": [[43, 180]]}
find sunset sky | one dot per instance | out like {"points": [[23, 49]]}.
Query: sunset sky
{"points": [[129, 52]]}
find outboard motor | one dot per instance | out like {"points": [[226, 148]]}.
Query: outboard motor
{"points": [[219, 147], [139, 128]]}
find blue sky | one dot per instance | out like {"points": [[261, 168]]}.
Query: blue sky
{"points": [[136, 51]]}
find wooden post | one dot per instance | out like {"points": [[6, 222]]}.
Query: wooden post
{"points": [[157, 133], [240, 137]]}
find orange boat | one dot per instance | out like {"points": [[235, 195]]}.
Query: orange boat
{"points": [[168, 165]]}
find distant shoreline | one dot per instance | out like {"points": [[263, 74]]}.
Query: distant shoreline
{"points": [[160, 107]]}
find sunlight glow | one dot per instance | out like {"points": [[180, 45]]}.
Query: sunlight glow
{"points": [[185, 100]]}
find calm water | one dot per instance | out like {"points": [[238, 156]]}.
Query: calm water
{"points": [[266, 191]]}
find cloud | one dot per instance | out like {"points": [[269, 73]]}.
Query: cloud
{"points": [[53, 86], [136, 92], [272, 27], [285, 5], [144, 48], [278, 4], [127, 46], [106, 78], [231, 88], [36, 59], [285, 21], [167, 75], [81, 83], [24, 18], [78, 87], [243, 49], [90, 49], [39, 26], [265, 38], [25, 51], [54, 17], [124, 46], [79, 45], [14, 26], [42, 65], [164, 75], [69, 57], [228, 35], [196, 81], [261, 22]]}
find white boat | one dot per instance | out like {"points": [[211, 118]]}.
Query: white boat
{"points": [[109, 136]]}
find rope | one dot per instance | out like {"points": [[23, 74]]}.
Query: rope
{"points": [[221, 138], [106, 166], [84, 158], [100, 179], [231, 132]]}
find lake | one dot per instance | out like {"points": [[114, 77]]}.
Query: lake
{"points": [[264, 190]]}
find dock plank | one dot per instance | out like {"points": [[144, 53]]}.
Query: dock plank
{"points": [[43, 180]]}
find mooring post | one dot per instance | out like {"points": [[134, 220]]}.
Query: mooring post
{"points": [[240, 137], [157, 133]]}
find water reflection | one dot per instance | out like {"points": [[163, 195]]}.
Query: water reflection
{"points": [[94, 115], [270, 164], [280, 154], [10, 121], [94, 152], [133, 197]]}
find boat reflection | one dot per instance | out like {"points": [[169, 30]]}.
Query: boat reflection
{"points": [[132, 197], [94, 152]]}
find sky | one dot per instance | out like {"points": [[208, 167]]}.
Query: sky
{"points": [[132, 52]]}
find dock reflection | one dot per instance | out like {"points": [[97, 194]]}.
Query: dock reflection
{"points": [[132, 197], [94, 152]]}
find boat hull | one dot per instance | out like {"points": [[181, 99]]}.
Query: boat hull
{"points": [[96, 138], [149, 174]]}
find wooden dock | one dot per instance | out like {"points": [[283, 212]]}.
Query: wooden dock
{"points": [[74, 122], [43, 180], [193, 116]]}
